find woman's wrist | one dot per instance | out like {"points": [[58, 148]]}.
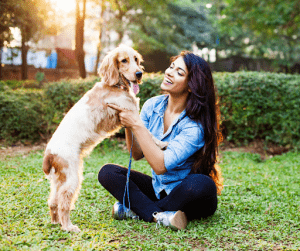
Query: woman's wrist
{"points": [[137, 126], [151, 152]]}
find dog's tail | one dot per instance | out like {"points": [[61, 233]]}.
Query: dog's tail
{"points": [[47, 163]]}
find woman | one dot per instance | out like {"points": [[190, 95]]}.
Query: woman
{"points": [[185, 179]]}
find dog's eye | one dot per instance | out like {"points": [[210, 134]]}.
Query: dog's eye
{"points": [[124, 61], [136, 60]]}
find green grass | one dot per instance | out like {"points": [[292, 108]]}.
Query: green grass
{"points": [[259, 208]]}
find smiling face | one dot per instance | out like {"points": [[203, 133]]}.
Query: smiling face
{"points": [[176, 78]]}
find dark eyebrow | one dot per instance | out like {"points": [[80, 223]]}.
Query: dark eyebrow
{"points": [[179, 68]]}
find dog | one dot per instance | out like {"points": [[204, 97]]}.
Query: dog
{"points": [[86, 124]]}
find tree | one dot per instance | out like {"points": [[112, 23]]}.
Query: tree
{"points": [[172, 28], [6, 21], [79, 36], [30, 17], [160, 28], [259, 28], [123, 17], [101, 28], [275, 23]]}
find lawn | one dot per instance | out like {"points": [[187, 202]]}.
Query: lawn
{"points": [[259, 208]]}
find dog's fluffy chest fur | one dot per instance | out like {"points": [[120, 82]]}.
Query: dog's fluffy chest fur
{"points": [[90, 120]]}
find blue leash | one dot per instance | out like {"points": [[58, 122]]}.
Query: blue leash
{"points": [[128, 174]]}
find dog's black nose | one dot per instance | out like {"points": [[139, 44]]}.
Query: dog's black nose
{"points": [[139, 74]]}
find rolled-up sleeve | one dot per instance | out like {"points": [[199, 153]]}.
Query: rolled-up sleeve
{"points": [[188, 141]]}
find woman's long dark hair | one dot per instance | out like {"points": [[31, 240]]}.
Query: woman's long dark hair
{"points": [[203, 108]]}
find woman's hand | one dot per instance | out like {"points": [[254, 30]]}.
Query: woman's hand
{"points": [[148, 148], [128, 118]]}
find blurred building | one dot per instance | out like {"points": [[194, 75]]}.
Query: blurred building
{"points": [[53, 55]]}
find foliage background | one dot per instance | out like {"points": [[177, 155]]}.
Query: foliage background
{"points": [[262, 30], [253, 106]]}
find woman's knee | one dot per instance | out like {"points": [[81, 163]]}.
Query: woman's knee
{"points": [[106, 172], [201, 185]]}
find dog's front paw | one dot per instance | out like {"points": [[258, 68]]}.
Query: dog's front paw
{"points": [[71, 228]]}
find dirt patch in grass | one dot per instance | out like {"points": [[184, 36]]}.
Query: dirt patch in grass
{"points": [[19, 149], [258, 146]]}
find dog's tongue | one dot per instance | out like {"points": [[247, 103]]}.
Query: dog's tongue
{"points": [[135, 88]]}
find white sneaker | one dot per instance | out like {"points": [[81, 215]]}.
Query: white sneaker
{"points": [[175, 220], [120, 212]]}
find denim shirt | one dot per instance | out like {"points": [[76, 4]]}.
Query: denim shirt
{"points": [[185, 138]]}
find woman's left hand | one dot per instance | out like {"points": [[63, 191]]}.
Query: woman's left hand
{"points": [[128, 118]]}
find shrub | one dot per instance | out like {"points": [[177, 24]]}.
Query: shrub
{"points": [[3, 86], [253, 106], [21, 115], [150, 87], [61, 96], [16, 84], [260, 106], [28, 114]]}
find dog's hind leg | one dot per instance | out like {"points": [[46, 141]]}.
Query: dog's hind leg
{"points": [[53, 203], [77, 190], [64, 207], [65, 199]]}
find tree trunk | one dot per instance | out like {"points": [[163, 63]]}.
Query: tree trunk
{"points": [[120, 18], [24, 68], [99, 47], [1, 45], [97, 59], [208, 55], [79, 38], [217, 55]]}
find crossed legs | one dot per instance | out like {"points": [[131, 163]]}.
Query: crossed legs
{"points": [[195, 195]]}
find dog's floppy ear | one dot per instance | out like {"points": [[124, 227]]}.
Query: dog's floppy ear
{"points": [[108, 69], [141, 60]]}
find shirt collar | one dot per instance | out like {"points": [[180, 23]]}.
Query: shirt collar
{"points": [[161, 107]]}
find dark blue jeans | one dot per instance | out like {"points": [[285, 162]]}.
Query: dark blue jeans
{"points": [[196, 195]]}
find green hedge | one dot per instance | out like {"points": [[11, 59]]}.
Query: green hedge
{"points": [[260, 106], [61, 96], [21, 115], [17, 84], [29, 114], [253, 106], [150, 87]]}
